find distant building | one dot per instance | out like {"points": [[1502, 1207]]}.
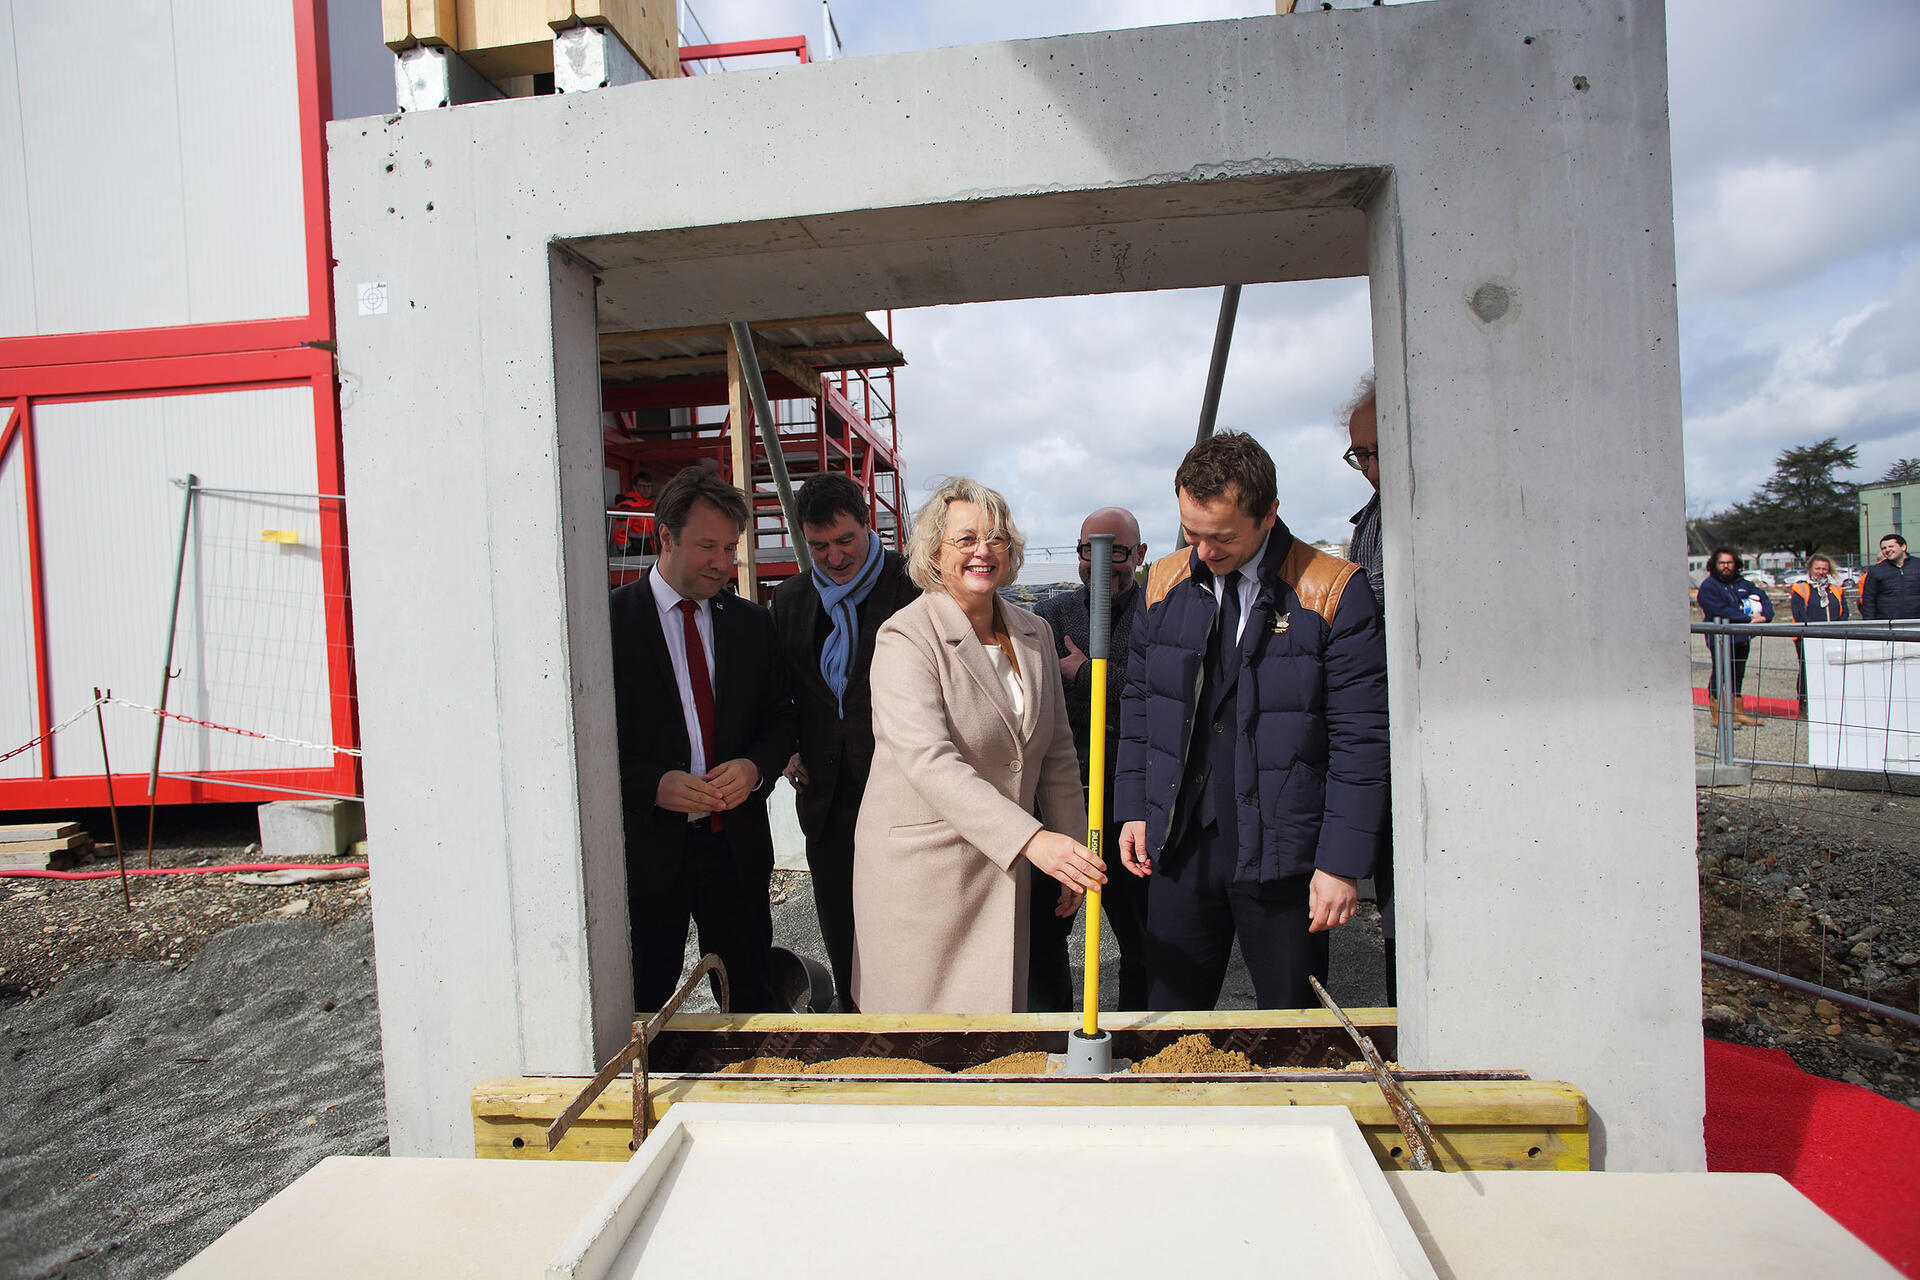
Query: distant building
{"points": [[1881, 509]]}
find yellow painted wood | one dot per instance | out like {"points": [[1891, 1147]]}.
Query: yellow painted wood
{"points": [[895, 1023], [1510, 1124], [1518, 1124]]}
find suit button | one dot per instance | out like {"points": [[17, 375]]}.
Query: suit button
{"points": [[1015, 766], [1218, 727]]}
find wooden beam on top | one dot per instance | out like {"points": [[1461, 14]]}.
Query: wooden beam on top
{"points": [[739, 418], [720, 330], [781, 361], [882, 348]]}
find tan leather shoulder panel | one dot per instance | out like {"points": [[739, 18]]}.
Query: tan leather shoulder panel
{"points": [[1317, 578], [1166, 573]]}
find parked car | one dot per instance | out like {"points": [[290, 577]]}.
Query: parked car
{"points": [[1760, 578]]}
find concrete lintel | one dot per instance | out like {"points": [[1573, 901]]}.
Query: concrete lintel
{"points": [[429, 76], [592, 58]]}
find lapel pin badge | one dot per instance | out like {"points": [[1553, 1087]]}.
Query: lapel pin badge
{"points": [[1281, 622]]}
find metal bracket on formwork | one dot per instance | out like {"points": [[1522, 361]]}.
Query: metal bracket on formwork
{"points": [[428, 76], [592, 58]]}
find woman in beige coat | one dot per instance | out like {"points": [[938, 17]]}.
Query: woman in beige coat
{"points": [[970, 727]]}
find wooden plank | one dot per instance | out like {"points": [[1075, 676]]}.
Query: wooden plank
{"points": [[46, 846], [1522, 1124], [895, 1023], [62, 858], [779, 360], [434, 22], [14, 831], [739, 409]]}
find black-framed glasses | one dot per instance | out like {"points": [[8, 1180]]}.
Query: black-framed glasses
{"points": [[1120, 550], [1358, 458], [996, 540]]}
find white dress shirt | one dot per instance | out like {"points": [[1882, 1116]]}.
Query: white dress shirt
{"points": [[1009, 678], [667, 600], [1249, 587]]}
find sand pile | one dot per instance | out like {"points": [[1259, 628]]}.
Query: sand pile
{"points": [[1011, 1064], [1194, 1055], [872, 1067], [764, 1067]]}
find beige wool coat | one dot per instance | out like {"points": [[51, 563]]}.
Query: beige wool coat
{"points": [[939, 887]]}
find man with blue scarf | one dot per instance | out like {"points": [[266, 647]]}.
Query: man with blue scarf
{"points": [[825, 623]]}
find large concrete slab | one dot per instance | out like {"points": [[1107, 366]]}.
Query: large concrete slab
{"points": [[1501, 170]]}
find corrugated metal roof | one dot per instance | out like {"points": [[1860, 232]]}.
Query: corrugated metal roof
{"points": [[822, 343]]}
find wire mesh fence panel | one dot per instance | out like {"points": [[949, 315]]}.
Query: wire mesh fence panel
{"points": [[1809, 847], [261, 687]]}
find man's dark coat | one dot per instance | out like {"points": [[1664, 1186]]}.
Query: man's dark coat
{"points": [[837, 751], [753, 719], [1306, 708]]}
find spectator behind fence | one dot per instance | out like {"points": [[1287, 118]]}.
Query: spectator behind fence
{"points": [[1818, 599], [1725, 596], [1363, 455], [1253, 741], [970, 730], [1890, 590], [705, 724], [1124, 900], [827, 622]]}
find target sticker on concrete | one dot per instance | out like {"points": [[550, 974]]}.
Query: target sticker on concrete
{"points": [[373, 298]]}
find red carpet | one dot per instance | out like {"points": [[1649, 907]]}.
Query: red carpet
{"points": [[1780, 708], [1845, 1148]]}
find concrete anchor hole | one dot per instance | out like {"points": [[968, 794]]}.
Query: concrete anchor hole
{"points": [[1580, 83]]}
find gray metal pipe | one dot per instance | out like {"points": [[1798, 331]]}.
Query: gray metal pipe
{"points": [[1791, 983], [769, 436], [1217, 367]]}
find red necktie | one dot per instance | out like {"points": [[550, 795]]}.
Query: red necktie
{"points": [[702, 690]]}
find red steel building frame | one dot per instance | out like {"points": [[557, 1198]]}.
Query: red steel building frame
{"points": [[243, 355]]}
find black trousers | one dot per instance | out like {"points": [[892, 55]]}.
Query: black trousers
{"points": [[726, 896], [1194, 911], [1123, 899], [830, 864]]}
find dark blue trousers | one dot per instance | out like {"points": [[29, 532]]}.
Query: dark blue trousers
{"points": [[1194, 912]]}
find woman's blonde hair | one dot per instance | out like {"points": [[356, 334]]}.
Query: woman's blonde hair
{"points": [[930, 526]]}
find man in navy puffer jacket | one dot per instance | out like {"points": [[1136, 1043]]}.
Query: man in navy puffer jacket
{"points": [[1252, 772]]}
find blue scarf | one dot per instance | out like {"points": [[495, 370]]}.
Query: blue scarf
{"points": [[840, 600]]}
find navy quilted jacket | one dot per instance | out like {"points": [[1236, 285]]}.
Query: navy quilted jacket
{"points": [[1309, 717]]}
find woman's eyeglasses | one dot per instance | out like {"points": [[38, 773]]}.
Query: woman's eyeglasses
{"points": [[997, 540]]}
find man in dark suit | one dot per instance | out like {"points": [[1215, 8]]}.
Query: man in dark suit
{"points": [[826, 622], [1124, 898], [705, 724]]}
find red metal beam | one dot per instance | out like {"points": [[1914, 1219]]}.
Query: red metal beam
{"points": [[36, 584], [744, 49], [183, 373], [84, 790]]}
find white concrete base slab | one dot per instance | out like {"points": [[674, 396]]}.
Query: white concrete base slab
{"points": [[310, 828], [504, 1219], [953, 1191], [1722, 775]]}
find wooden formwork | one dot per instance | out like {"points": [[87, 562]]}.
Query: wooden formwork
{"points": [[1480, 1120]]}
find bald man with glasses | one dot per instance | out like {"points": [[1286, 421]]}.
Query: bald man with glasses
{"points": [[1363, 455], [1124, 898]]}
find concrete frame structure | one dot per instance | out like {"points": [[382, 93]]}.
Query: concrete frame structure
{"points": [[1500, 168]]}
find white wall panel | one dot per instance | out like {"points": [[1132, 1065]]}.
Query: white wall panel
{"points": [[103, 167], [19, 718], [171, 197], [251, 648], [240, 152], [16, 246]]}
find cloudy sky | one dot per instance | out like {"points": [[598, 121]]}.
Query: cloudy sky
{"points": [[1796, 156]]}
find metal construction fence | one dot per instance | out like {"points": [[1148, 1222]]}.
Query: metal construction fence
{"points": [[1808, 743]]}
